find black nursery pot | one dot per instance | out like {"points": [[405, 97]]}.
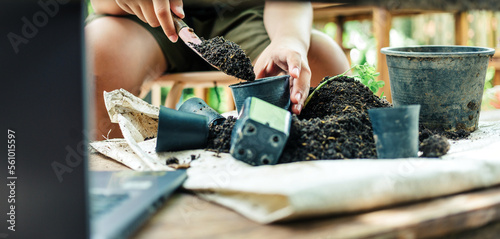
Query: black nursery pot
{"points": [[198, 106], [395, 131], [447, 81], [178, 130], [274, 90]]}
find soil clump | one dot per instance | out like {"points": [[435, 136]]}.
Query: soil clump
{"points": [[434, 146], [227, 56]]}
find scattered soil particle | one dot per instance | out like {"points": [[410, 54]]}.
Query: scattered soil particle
{"points": [[227, 56], [460, 134], [457, 135], [195, 157], [434, 146], [172, 160]]}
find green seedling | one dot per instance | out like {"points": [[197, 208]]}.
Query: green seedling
{"points": [[366, 75]]}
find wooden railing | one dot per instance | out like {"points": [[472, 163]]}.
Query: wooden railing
{"points": [[382, 21]]}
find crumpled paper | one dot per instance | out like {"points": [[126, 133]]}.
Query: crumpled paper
{"points": [[273, 193]]}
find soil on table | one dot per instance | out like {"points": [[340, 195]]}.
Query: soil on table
{"points": [[434, 146], [227, 56], [334, 125]]}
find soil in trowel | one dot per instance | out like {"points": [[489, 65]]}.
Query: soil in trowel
{"points": [[334, 125], [227, 56]]}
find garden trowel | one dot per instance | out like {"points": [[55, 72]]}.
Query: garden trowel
{"points": [[188, 36]]}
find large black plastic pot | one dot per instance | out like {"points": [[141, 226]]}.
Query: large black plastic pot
{"points": [[395, 131], [274, 90], [178, 130], [447, 81], [198, 106]]}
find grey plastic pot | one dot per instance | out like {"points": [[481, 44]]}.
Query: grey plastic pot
{"points": [[199, 106], [274, 90], [178, 130], [447, 81], [395, 131]]}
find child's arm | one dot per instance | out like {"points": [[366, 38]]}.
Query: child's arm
{"points": [[289, 27]]}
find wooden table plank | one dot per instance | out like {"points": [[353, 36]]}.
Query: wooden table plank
{"points": [[186, 216]]}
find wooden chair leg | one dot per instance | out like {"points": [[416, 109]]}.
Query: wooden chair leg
{"points": [[156, 94], [229, 99], [381, 26], [200, 93], [174, 95]]}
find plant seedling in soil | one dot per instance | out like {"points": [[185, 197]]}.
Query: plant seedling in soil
{"points": [[226, 56], [366, 75]]}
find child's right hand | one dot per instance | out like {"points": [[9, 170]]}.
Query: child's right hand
{"points": [[156, 13]]}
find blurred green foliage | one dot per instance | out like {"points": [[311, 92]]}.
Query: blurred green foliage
{"points": [[421, 29]]}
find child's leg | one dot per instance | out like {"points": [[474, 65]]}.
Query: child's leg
{"points": [[326, 58], [123, 54]]}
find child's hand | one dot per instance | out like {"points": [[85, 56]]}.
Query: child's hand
{"points": [[156, 13], [286, 57]]}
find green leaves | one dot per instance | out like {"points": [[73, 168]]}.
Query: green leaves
{"points": [[366, 75]]}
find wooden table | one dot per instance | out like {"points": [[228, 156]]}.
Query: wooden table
{"points": [[474, 214]]}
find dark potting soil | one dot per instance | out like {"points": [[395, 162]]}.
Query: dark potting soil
{"points": [[334, 125], [434, 146], [219, 136], [227, 56]]}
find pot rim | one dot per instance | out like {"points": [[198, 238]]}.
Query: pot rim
{"points": [[414, 51], [259, 81], [397, 108]]}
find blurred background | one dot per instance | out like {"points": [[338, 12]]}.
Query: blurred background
{"points": [[356, 28], [436, 28]]}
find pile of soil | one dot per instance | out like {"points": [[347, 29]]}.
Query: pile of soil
{"points": [[333, 125], [227, 56]]}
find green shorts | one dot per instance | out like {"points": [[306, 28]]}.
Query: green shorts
{"points": [[245, 28]]}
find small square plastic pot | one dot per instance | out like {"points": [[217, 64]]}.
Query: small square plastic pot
{"points": [[178, 130], [274, 90], [395, 131], [198, 106], [260, 134]]}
